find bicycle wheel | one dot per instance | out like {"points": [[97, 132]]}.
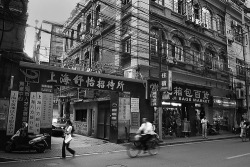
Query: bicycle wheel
{"points": [[154, 148], [133, 151]]}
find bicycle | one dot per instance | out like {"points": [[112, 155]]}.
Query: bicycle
{"points": [[245, 135], [135, 147]]}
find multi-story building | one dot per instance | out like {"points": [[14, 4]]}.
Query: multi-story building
{"points": [[49, 44], [200, 42]]}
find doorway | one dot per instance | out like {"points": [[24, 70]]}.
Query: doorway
{"points": [[103, 125]]}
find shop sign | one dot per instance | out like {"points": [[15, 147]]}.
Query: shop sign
{"points": [[184, 93], [71, 79], [134, 104], [12, 113], [154, 98], [166, 81], [223, 102]]}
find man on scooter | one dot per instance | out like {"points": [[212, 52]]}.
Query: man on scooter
{"points": [[146, 131]]}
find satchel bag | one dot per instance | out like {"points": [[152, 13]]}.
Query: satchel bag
{"points": [[68, 138]]}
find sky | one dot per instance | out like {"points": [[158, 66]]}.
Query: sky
{"points": [[51, 10]]}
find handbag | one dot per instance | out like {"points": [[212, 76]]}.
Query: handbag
{"points": [[68, 138]]}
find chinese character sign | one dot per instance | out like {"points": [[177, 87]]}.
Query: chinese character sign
{"points": [[32, 112], [185, 93], [12, 113], [38, 112], [46, 111]]}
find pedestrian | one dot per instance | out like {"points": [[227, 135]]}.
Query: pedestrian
{"points": [[204, 123], [67, 139], [242, 127]]}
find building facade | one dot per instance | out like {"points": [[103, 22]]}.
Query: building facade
{"points": [[203, 43]]}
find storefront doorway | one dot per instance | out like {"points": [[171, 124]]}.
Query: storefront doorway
{"points": [[103, 126]]}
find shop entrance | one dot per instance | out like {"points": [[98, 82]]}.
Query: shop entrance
{"points": [[103, 126]]}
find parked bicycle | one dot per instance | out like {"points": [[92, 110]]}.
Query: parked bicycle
{"points": [[136, 147]]}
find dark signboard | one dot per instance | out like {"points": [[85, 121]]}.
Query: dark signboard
{"points": [[64, 77], [186, 93]]}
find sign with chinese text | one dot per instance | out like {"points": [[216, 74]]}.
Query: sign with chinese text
{"points": [[135, 122], [223, 102], [124, 108], [166, 81], [4, 107], [12, 113], [38, 112], [185, 93], [154, 98], [32, 112], [47, 110], [134, 104]]}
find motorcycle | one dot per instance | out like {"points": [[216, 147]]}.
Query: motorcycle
{"points": [[31, 142]]}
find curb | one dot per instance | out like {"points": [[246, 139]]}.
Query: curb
{"points": [[196, 140]]}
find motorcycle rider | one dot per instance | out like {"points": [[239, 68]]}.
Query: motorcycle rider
{"points": [[146, 131]]}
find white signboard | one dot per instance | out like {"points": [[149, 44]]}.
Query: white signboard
{"points": [[134, 104], [12, 113], [32, 113], [47, 110], [124, 108], [38, 112]]}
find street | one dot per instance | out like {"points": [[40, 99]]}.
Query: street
{"points": [[223, 153]]}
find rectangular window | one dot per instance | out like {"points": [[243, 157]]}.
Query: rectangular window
{"points": [[240, 67], [219, 24], [160, 2], [127, 45], [153, 46], [81, 115], [238, 33], [72, 37]]}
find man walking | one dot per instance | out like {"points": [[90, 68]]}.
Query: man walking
{"points": [[204, 123]]}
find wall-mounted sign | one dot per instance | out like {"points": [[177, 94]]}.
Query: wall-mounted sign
{"points": [[186, 93], [166, 81], [4, 107], [12, 113], [223, 102], [134, 104]]}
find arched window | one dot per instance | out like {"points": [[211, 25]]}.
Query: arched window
{"points": [[206, 18], [196, 54], [177, 49]]}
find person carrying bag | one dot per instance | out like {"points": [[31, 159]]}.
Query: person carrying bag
{"points": [[67, 139]]}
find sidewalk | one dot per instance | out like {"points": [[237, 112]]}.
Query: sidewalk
{"points": [[86, 145]]}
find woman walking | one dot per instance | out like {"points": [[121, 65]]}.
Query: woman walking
{"points": [[67, 139]]}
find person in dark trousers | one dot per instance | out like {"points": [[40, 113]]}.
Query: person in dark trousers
{"points": [[67, 139]]}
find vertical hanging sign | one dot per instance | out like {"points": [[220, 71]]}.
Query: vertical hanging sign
{"points": [[12, 113], [38, 112], [32, 112], [47, 109]]}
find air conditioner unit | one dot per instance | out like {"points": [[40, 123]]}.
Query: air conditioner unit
{"points": [[130, 73], [240, 94], [234, 23]]}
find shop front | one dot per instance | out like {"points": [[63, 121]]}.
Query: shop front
{"points": [[183, 108], [224, 113]]}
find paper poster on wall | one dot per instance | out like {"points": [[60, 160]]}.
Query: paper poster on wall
{"points": [[47, 110], [32, 113], [38, 112], [124, 109], [4, 107], [12, 113], [134, 104]]}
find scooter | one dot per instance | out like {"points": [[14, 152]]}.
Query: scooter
{"points": [[32, 142]]}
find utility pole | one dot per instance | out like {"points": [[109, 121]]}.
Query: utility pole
{"points": [[159, 50]]}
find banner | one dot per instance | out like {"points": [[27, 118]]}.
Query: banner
{"points": [[38, 112], [12, 113], [32, 110], [4, 106], [47, 110]]}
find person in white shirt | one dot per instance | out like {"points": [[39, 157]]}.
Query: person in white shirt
{"points": [[204, 123], [146, 131], [67, 133]]}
